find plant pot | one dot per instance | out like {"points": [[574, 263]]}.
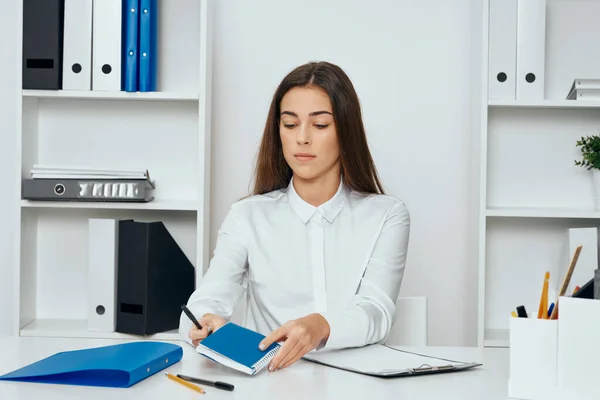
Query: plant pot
{"points": [[596, 187]]}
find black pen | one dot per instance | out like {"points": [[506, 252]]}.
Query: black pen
{"points": [[191, 316], [217, 384]]}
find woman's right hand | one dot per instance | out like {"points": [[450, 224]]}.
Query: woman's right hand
{"points": [[209, 324]]}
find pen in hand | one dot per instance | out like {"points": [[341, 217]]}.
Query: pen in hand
{"points": [[191, 316]]}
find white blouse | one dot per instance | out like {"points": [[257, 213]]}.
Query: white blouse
{"points": [[344, 259]]}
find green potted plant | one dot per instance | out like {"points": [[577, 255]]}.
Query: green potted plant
{"points": [[590, 152]]}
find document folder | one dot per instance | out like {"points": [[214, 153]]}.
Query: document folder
{"points": [[502, 49], [106, 190], [77, 49], [148, 62], [154, 278], [103, 242], [531, 49], [120, 365], [130, 57], [43, 22], [107, 45]]}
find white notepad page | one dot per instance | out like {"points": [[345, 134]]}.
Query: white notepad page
{"points": [[376, 359]]}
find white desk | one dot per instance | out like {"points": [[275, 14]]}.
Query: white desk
{"points": [[303, 380]]}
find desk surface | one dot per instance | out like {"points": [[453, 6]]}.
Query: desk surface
{"points": [[303, 380]]}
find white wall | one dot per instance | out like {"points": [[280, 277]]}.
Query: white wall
{"points": [[8, 91], [411, 65]]}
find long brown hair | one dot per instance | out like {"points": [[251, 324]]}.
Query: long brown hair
{"points": [[357, 167]]}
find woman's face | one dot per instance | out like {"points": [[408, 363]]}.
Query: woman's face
{"points": [[308, 133]]}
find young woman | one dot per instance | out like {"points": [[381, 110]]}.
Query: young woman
{"points": [[318, 249]]}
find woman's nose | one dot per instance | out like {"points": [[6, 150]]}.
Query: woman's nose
{"points": [[303, 137]]}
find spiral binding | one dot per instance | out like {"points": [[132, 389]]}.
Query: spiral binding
{"points": [[263, 361]]}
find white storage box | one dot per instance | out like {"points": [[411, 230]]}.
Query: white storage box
{"points": [[578, 345], [556, 359], [533, 356]]}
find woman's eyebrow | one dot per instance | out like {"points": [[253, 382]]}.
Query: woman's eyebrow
{"points": [[312, 114]]}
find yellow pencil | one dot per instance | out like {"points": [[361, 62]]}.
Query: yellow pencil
{"points": [[543, 310], [185, 383]]}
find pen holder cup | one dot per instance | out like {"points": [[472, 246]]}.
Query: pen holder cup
{"points": [[533, 356]]}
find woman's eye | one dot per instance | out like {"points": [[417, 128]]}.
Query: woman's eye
{"points": [[320, 126], [289, 126]]}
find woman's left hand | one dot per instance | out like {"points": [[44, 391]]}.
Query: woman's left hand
{"points": [[300, 335]]}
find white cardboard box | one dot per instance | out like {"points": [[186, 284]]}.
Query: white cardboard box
{"points": [[556, 359], [533, 356], [578, 345]]}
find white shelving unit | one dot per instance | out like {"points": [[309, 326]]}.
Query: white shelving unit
{"points": [[105, 95], [166, 132], [544, 104], [174, 205], [530, 190], [77, 328]]}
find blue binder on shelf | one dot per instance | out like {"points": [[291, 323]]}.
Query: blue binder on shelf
{"points": [[148, 46], [130, 37], [120, 365]]}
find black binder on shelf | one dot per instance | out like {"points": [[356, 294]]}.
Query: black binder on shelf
{"points": [[43, 22], [154, 278]]}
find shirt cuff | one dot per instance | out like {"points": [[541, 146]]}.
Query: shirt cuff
{"points": [[348, 328]]}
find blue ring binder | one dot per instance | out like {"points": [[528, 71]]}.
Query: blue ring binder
{"points": [[120, 365]]}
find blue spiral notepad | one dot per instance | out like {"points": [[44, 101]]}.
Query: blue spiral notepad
{"points": [[121, 365], [237, 347]]}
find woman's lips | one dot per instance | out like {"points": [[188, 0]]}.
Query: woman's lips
{"points": [[304, 157]]}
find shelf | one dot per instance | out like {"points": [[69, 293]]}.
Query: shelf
{"points": [[170, 205], [496, 338], [101, 129], [103, 95], [547, 212], [543, 104], [77, 328]]}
